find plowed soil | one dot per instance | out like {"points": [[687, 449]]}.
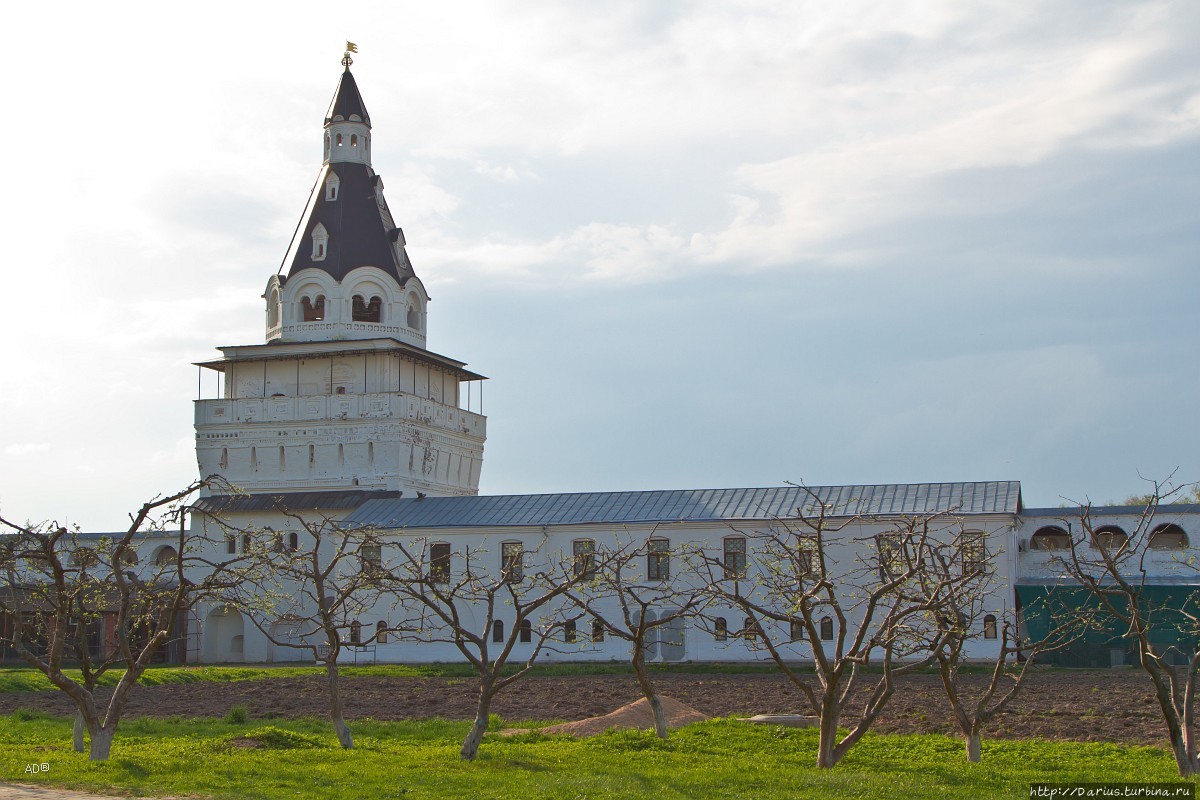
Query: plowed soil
{"points": [[1085, 705]]}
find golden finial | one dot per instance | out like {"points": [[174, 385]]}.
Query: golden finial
{"points": [[351, 47]]}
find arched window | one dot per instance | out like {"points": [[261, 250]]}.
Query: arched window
{"points": [[414, 318], [320, 237], [293, 541], [797, 630], [354, 140], [597, 631], [246, 543], [1111, 539], [569, 631], [273, 308], [584, 554], [332, 184], [751, 631], [313, 310], [989, 626], [827, 628], [1050, 538], [439, 562], [526, 631], [735, 557], [498, 631], [355, 632], [367, 311], [1168, 537], [720, 629], [339, 140], [166, 557], [381, 632]]}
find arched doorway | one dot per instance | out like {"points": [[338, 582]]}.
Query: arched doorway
{"points": [[224, 636]]}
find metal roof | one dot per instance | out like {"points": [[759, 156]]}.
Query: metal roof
{"points": [[292, 501], [695, 505], [347, 100]]}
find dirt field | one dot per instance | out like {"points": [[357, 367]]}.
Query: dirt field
{"points": [[1101, 705]]}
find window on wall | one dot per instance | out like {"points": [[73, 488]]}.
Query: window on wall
{"points": [[355, 632], [367, 310], [735, 557], [230, 543], [720, 629], [526, 633], [658, 560], [806, 548], [890, 549], [293, 541], [827, 628], [370, 557], [1050, 538], [751, 630], [498, 631], [439, 562], [569, 632], [796, 630], [597, 631], [414, 318], [972, 549], [331, 187], [1111, 539], [313, 310], [320, 237], [989, 626], [512, 562], [246, 542], [1168, 537], [381, 632], [584, 555]]}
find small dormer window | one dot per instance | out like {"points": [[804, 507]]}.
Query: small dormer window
{"points": [[320, 239], [332, 184]]}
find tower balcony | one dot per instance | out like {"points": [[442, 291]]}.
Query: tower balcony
{"points": [[337, 408]]}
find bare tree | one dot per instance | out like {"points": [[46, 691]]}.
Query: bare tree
{"points": [[487, 606], [306, 588], [857, 603], [1120, 571], [88, 600], [970, 615], [648, 606]]}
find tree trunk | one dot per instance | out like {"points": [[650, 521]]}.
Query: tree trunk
{"points": [[827, 747], [470, 747], [335, 707], [643, 679], [77, 732], [102, 738], [974, 743]]}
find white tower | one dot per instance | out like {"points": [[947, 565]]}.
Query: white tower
{"points": [[344, 397]]}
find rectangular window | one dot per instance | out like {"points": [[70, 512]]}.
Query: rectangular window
{"points": [[972, 548], [230, 543], [891, 556], [439, 562], [512, 562], [735, 558], [584, 551], [806, 556], [658, 560], [370, 557]]}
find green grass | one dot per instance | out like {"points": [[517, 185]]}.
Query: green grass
{"points": [[27, 679], [720, 758]]}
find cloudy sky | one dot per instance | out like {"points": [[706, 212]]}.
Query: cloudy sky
{"points": [[701, 244]]}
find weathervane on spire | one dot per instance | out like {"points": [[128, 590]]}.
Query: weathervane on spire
{"points": [[351, 47]]}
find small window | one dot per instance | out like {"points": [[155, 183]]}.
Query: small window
{"points": [[989, 626], [584, 563], [1050, 538], [805, 548], [320, 236], [332, 184], [230, 543], [890, 551], [339, 140], [526, 631], [569, 632], [356, 632], [367, 310], [354, 140], [751, 630], [370, 557], [512, 562], [972, 551], [293, 541], [166, 557], [1111, 539], [245, 543], [439, 562], [414, 318], [381, 632], [720, 629], [597, 631], [1168, 537], [277, 542], [797, 630], [658, 560], [313, 310], [735, 557], [827, 628], [498, 631]]}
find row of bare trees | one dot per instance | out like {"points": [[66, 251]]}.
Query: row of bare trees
{"points": [[843, 606]]}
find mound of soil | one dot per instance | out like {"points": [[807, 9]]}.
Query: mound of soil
{"points": [[637, 714]]}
